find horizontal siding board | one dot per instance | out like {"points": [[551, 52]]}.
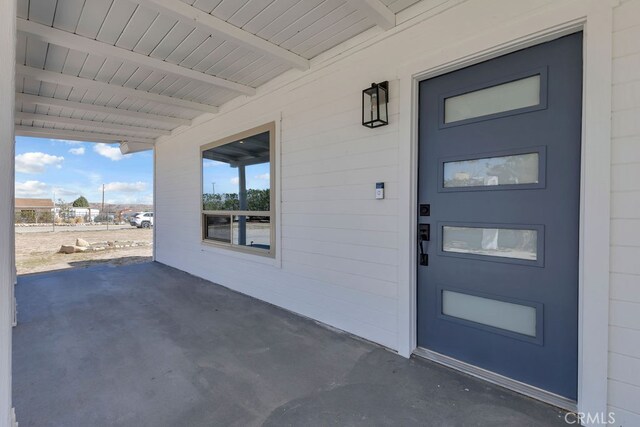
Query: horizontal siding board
{"points": [[626, 150], [624, 368], [624, 417], [625, 287], [624, 259], [624, 396], [625, 232], [625, 314]]}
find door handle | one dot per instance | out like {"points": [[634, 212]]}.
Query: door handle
{"points": [[424, 234]]}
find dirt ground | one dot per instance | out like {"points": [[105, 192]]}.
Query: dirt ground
{"points": [[38, 251]]}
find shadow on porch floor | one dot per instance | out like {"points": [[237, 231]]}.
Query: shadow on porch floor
{"points": [[149, 345]]}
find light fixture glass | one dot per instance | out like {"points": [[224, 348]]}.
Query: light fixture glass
{"points": [[374, 105]]}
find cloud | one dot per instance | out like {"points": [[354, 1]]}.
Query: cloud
{"points": [[109, 151], [124, 187], [37, 162], [235, 180], [263, 176], [64, 192], [77, 151], [32, 189]]}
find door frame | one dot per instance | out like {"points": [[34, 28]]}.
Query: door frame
{"points": [[594, 18]]}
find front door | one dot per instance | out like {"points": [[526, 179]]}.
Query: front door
{"points": [[499, 186]]}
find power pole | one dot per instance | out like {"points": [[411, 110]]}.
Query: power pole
{"points": [[53, 217], [213, 188], [102, 212]]}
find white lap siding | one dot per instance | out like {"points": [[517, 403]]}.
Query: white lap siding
{"points": [[624, 338]]}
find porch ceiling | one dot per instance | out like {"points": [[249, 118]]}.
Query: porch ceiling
{"points": [[133, 70]]}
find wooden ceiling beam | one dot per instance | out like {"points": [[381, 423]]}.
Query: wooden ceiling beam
{"points": [[125, 129], [75, 135], [72, 81], [120, 112]]}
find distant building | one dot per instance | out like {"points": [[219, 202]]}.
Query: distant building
{"points": [[89, 214], [34, 210]]}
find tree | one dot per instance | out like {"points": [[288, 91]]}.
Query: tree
{"points": [[80, 202], [63, 209]]}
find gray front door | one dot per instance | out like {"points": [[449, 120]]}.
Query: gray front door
{"points": [[499, 186]]}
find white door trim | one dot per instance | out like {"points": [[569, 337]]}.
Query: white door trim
{"points": [[594, 17]]}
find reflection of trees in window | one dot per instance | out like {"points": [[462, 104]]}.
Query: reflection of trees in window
{"points": [[257, 200]]}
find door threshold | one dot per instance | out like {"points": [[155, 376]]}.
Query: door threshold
{"points": [[500, 380]]}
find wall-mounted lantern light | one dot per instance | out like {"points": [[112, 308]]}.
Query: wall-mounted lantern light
{"points": [[374, 105]]}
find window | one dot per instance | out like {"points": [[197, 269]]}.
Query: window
{"points": [[238, 191]]}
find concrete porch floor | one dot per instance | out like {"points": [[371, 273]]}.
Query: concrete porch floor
{"points": [[149, 345]]}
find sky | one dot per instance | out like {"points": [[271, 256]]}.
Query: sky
{"points": [[70, 169]]}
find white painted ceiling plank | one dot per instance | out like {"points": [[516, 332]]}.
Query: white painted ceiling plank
{"points": [[136, 27], [56, 57], [155, 34], [205, 5], [249, 11], [219, 28], [74, 61], [23, 9], [171, 41], [76, 42], [42, 11], [44, 132], [317, 26], [68, 14], [227, 8], [201, 52], [91, 66], [376, 11], [218, 56], [355, 29], [277, 23], [329, 32], [117, 127], [268, 14], [119, 15], [308, 19], [21, 48], [92, 17], [184, 49], [36, 52]]}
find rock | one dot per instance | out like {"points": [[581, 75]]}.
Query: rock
{"points": [[67, 249], [81, 249], [110, 243], [82, 243]]}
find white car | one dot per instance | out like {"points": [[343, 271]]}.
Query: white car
{"points": [[143, 220]]}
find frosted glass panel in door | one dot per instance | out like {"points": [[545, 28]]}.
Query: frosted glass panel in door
{"points": [[495, 99], [498, 314]]}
